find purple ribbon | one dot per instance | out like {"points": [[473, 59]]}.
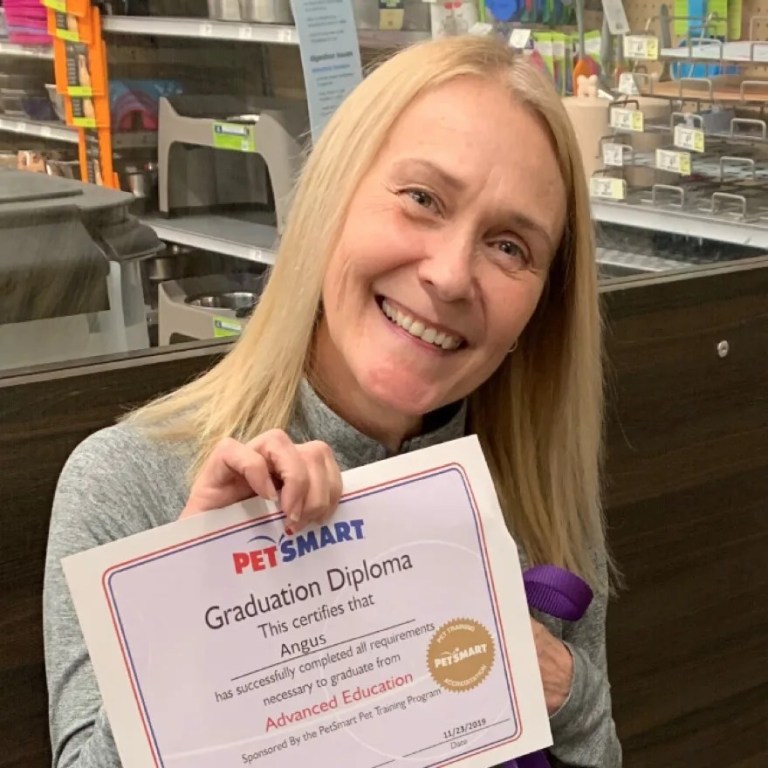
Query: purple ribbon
{"points": [[565, 596]]}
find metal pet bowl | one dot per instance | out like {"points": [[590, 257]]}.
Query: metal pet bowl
{"points": [[234, 300]]}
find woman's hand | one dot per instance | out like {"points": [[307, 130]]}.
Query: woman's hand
{"points": [[555, 664], [305, 479]]}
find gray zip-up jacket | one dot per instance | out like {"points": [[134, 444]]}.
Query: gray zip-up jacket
{"points": [[117, 483]]}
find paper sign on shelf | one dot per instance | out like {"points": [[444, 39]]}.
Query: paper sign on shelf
{"points": [[616, 17], [330, 56]]}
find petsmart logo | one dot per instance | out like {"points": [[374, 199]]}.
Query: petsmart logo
{"points": [[286, 549]]}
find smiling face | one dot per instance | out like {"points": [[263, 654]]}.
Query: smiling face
{"points": [[442, 258]]}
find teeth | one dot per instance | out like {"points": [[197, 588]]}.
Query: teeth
{"points": [[420, 330]]}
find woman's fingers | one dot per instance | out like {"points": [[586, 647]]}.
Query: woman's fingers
{"points": [[287, 465], [306, 477], [321, 499], [232, 473]]}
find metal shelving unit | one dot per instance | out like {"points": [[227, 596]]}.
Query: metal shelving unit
{"points": [[26, 51], [244, 32], [735, 231], [244, 236], [53, 131]]}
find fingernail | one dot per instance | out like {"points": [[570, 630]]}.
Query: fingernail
{"points": [[289, 530], [294, 518]]}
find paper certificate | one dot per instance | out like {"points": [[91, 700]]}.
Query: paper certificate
{"points": [[397, 634]]}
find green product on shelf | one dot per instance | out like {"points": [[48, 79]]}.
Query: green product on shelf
{"points": [[720, 7], [735, 15], [236, 137], [680, 11]]}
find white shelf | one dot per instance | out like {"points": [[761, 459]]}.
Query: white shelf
{"points": [[242, 31], [737, 52], [26, 51], [53, 131], [233, 234], [677, 222], [211, 29]]}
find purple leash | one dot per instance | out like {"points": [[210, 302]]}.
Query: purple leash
{"points": [[565, 596]]}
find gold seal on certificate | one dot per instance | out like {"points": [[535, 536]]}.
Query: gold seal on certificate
{"points": [[460, 655]]}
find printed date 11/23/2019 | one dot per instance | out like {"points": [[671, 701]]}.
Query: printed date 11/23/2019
{"points": [[461, 730]]}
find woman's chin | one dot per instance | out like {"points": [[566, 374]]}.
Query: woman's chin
{"points": [[405, 394]]}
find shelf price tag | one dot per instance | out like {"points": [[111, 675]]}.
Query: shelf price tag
{"points": [[236, 137], [226, 326], [674, 161], [691, 139], [604, 188], [519, 38], [628, 84], [627, 119], [613, 154], [644, 47]]}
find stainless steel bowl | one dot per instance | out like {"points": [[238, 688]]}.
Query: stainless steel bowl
{"points": [[266, 11], [234, 300]]}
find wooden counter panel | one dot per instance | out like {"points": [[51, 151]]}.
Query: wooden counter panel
{"points": [[42, 418]]}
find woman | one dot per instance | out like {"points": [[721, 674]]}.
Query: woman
{"points": [[436, 277]]}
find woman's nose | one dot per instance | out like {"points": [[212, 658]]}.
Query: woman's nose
{"points": [[448, 268]]}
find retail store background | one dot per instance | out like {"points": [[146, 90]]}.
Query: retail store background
{"points": [[687, 494], [687, 478]]}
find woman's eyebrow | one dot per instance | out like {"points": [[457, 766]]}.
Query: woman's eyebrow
{"points": [[427, 166]]}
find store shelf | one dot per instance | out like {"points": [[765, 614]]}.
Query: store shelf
{"points": [[134, 140], [25, 51], [244, 32], [53, 131], [741, 52], [626, 262], [675, 221], [210, 29], [715, 89], [242, 235]]}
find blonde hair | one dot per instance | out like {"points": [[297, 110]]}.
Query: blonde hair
{"points": [[538, 418]]}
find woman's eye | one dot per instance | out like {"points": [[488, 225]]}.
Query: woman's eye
{"points": [[510, 248], [422, 198]]}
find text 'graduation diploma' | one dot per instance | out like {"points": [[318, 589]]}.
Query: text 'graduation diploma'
{"points": [[397, 634]]}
